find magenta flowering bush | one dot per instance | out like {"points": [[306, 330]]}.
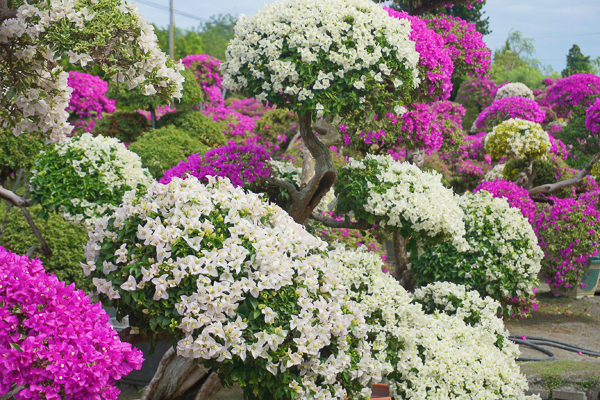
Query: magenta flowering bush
{"points": [[88, 99], [474, 148], [558, 147], [53, 340], [547, 82], [592, 120], [238, 124], [208, 75], [250, 107], [507, 108], [477, 92], [160, 112], [435, 64], [572, 91], [242, 164], [465, 45], [568, 232], [516, 196]]}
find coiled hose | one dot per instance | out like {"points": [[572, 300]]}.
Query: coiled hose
{"points": [[536, 343]]}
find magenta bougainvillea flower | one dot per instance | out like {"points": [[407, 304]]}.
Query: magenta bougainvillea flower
{"points": [[53, 340], [478, 92], [572, 91], [516, 196], [88, 99], [208, 75], [242, 164], [592, 120], [507, 108]]}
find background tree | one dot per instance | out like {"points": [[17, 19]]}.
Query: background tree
{"points": [[473, 15], [186, 42], [419, 7], [577, 63], [216, 34]]}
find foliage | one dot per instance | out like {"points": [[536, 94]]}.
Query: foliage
{"points": [[577, 63], [109, 33], [472, 13], [126, 126], [419, 7], [465, 45], [475, 94], [239, 286], [550, 170], [400, 196], [185, 41], [85, 177], [579, 138], [592, 117], [569, 233], [54, 341], [507, 108], [517, 138], [435, 65], [197, 125], [242, 165], [422, 350], [161, 149], [17, 152], [88, 100], [325, 61], [216, 34], [516, 196], [278, 125], [503, 260], [66, 240]]}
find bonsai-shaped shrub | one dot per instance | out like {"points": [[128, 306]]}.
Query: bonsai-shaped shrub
{"points": [[54, 342], [503, 260], [400, 196], [124, 125], [572, 91], [508, 108], [462, 353], [592, 120], [464, 43], [277, 126], [362, 57], [66, 240], [88, 100], [514, 89], [197, 125], [435, 65], [17, 152], [243, 165], [238, 284], [86, 177], [517, 138], [516, 196], [163, 148], [569, 233]]}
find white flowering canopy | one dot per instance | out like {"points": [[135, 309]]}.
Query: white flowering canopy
{"points": [[437, 356], [518, 137], [323, 56], [514, 89], [110, 33]]}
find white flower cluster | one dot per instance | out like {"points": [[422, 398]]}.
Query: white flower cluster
{"points": [[495, 173], [519, 138], [286, 171], [417, 197], [435, 356], [348, 34], [514, 89], [105, 159], [262, 254], [509, 240], [31, 37]]}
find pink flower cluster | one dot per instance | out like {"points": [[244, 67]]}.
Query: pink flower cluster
{"points": [[547, 82], [159, 112], [242, 164], [88, 100], [208, 75], [238, 124], [507, 108], [592, 120], [558, 147], [572, 91], [464, 43], [432, 56], [422, 127], [250, 107], [516, 196], [53, 340], [569, 261], [474, 148], [478, 92]]}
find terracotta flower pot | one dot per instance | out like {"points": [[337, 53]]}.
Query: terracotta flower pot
{"points": [[380, 391]]}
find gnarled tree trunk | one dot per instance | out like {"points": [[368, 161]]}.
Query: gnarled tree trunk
{"points": [[402, 274]]}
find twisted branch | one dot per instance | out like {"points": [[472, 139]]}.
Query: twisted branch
{"points": [[332, 223], [552, 187]]}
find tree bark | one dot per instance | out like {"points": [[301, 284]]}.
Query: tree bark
{"points": [[549, 188], [401, 272], [417, 157], [5, 12], [324, 176], [332, 223]]}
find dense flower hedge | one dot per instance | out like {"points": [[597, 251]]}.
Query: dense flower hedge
{"points": [[572, 91], [88, 100], [507, 108], [516, 196], [53, 340], [592, 120]]}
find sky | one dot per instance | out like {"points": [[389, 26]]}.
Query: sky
{"points": [[555, 25]]}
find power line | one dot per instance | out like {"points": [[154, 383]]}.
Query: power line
{"points": [[153, 4], [578, 34]]}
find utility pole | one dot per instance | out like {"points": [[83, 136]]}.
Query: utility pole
{"points": [[171, 33]]}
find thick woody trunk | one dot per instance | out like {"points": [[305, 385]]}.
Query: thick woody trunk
{"points": [[401, 272], [313, 190], [417, 157]]}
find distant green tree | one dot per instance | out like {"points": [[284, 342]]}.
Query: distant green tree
{"points": [[186, 41], [216, 34], [420, 7], [577, 63], [475, 15]]}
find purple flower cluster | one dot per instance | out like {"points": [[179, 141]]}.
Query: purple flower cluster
{"points": [[568, 233], [88, 100], [592, 120], [572, 91], [558, 147], [516, 196], [433, 58], [242, 164], [422, 127], [478, 92], [250, 107], [208, 75], [159, 112], [238, 124], [547, 82], [474, 148], [53, 340], [464, 43], [507, 108]]}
